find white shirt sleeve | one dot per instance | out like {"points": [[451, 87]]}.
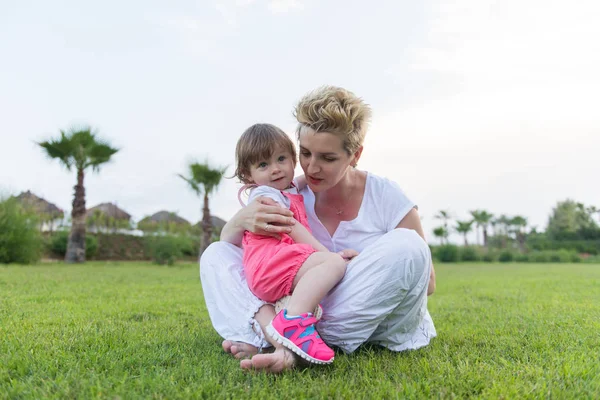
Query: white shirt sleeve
{"points": [[395, 204], [266, 191]]}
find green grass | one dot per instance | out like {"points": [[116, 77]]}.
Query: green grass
{"points": [[142, 331]]}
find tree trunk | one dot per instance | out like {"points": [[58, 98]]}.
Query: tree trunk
{"points": [[76, 245], [206, 225], [485, 237], [466, 243]]}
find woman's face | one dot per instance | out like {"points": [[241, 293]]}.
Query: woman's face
{"points": [[323, 159]]}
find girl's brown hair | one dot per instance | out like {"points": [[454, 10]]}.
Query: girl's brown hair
{"points": [[258, 143]]}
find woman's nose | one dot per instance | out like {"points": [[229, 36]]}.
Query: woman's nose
{"points": [[312, 167]]}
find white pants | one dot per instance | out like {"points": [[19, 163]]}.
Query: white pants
{"points": [[382, 298]]}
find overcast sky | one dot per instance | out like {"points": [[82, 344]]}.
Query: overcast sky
{"points": [[477, 104]]}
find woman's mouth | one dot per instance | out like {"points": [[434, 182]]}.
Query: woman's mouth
{"points": [[314, 181]]}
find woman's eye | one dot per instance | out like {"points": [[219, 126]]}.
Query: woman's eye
{"points": [[305, 154], [329, 159]]}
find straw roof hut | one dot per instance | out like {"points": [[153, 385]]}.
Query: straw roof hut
{"points": [[109, 210], [165, 217], [40, 206], [215, 221]]}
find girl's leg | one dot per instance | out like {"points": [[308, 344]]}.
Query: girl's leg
{"points": [[318, 275], [382, 297]]}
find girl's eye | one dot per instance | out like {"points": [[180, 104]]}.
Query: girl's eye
{"points": [[329, 159], [262, 165], [281, 158]]}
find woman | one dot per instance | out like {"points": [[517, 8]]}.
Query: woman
{"points": [[383, 296]]}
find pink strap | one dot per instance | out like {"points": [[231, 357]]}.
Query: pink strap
{"points": [[245, 187]]}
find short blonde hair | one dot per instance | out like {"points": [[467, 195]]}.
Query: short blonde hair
{"points": [[335, 110], [258, 143]]}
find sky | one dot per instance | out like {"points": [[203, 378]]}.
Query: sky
{"points": [[477, 104]]}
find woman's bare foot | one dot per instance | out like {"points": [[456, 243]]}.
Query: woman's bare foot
{"points": [[280, 360], [239, 350]]}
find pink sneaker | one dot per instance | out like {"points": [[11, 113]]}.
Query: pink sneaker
{"points": [[299, 335]]}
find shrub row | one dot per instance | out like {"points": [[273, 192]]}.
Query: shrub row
{"points": [[540, 242], [452, 253], [163, 249]]}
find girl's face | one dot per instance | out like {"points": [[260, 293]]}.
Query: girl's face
{"points": [[323, 159], [276, 172]]}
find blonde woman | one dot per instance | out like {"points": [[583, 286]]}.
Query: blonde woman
{"points": [[383, 296]]}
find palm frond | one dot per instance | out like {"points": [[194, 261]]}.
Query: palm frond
{"points": [[79, 147], [203, 178], [193, 185]]}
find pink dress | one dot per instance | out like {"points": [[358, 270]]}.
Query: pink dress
{"points": [[271, 264]]}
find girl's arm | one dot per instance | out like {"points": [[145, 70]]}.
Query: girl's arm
{"points": [[412, 221], [255, 217], [301, 235]]}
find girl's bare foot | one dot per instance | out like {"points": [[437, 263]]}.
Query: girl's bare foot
{"points": [[280, 360], [239, 350]]}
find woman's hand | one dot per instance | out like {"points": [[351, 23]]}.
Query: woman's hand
{"points": [[348, 254], [263, 216]]}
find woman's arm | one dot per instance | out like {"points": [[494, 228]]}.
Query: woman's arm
{"points": [[412, 221], [259, 214]]}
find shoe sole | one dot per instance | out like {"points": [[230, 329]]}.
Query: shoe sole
{"points": [[290, 345]]}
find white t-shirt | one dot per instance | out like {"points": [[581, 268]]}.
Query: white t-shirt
{"points": [[272, 193], [384, 205]]}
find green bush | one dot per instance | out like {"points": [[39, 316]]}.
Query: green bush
{"points": [[522, 257], [539, 257], [20, 238], [164, 249], [58, 244], [447, 253], [469, 254], [489, 256], [506, 256], [554, 256]]}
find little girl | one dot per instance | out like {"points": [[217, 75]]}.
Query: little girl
{"points": [[296, 263]]}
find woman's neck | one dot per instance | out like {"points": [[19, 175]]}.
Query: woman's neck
{"points": [[341, 192]]}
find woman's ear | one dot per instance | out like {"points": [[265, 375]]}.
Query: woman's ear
{"points": [[356, 156]]}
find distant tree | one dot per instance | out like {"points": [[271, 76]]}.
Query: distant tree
{"points": [[519, 224], [503, 223], [441, 233], [482, 219], [445, 216], [571, 220], [204, 180], [464, 227], [79, 148]]}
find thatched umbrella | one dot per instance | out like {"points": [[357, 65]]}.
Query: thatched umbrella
{"points": [[163, 221], [40, 206], [216, 222], [107, 215]]}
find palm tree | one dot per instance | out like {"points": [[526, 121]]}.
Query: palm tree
{"points": [[445, 216], [79, 148], [503, 222], [520, 224], [482, 219], [441, 233], [464, 227], [203, 180]]}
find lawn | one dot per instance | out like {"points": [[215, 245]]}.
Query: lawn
{"points": [[136, 330]]}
